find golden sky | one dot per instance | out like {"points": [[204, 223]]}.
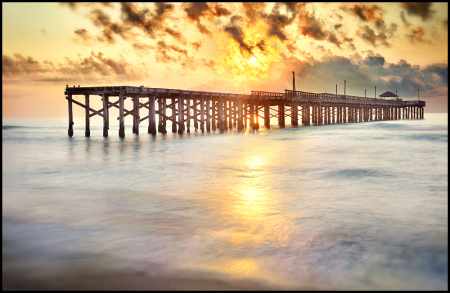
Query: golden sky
{"points": [[226, 47]]}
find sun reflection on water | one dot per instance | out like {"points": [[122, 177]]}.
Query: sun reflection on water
{"points": [[251, 212]]}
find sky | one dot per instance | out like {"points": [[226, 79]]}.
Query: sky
{"points": [[222, 47]]}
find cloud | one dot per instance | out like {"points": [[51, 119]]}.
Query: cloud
{"points": [[422, 9], [84, 36], [278, 21], [132, 16], [91, 69], [148, 22], [196, 11], [370, 36], [367, 13], [416, 35], [402, 16], [332, 38], [19, 65], [110, 29], [163, 50], [254, 10], [372, 14], [372, 71], [196, 45], [311, 27], [175, 34], [374, 61], [235, 31]]}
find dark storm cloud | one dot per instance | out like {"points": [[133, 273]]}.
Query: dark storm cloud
{"points": [[237, 34], [254, 10], [235, 31], [440, 70], [132, 16], [195, 11], [175, 34], [144, 19], [373, 71], [332, 38], [219, 11], [110, 29], [369, 35], [278, 21], [374, 61], [422, 9], [312, 28], [367, 13]]}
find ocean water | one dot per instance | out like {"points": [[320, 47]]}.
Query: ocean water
{"points": [[358, 206]]}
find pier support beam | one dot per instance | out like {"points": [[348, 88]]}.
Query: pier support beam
{"points": [[194, 104], [70, 130], [230, 114], [159, 116], [281, 117], [294, 115], [220, 123], [87, 133], [255, 115], [202, 114], [267, 114], [213, 115], [240, 124], [245, 105], [188, 114], [235, 109], [180, 116], [106, 115], [162, 118], [174, 116], [136, 117], [208, 116], [121, 116], [151, 116]]}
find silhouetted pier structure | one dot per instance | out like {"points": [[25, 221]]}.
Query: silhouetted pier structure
{"points": [[214, 110]]}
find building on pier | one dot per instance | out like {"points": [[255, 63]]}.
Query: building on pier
{"points": [[215, 110]]}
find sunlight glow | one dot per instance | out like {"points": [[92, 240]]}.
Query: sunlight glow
{"points": [[240, 64]]}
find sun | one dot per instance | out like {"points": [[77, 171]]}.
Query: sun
{"points": [[242, 64]]}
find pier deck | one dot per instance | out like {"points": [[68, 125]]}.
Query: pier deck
{"points": [[214, 110]]}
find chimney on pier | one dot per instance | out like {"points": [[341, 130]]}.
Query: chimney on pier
{"points": [[293, 79]]}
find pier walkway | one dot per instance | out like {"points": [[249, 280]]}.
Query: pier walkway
{"points": [[213, 110]]}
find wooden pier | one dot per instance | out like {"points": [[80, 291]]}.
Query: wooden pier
{"points": [[210, 111]]}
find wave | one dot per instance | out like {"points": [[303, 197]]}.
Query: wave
{"points": [[356, 173], [6, 127]]}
